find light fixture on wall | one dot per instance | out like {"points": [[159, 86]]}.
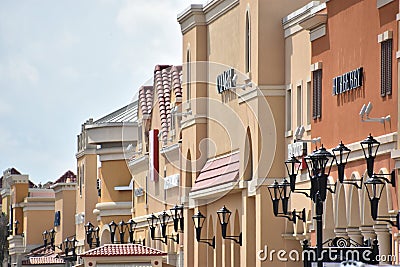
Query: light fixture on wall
{"points": [[122, 228], [281, 193], [92, 233], [376, 182], [70, 248], [198, 220], [341, 154], [223, 215], [177, 217], [366, 110], [48, 236], [161, 221]]}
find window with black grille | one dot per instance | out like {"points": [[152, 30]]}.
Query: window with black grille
{"points": [[386, 67], [317, 93]]}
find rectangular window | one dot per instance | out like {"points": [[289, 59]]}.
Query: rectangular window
{"points": [[299, 106], [57, 218], [288, 110], [317, 93], [309, 103], [386, 67]]}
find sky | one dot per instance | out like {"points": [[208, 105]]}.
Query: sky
{"points": [[63, 62]]}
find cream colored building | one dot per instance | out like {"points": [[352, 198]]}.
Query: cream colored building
{"points": [[242, 128]]}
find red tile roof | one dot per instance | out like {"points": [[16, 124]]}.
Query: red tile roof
{"points": [[53, 259], [218, 171], [64, 178], [123, 250]]}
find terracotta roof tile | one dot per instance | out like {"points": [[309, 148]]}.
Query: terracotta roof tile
{"points": [[123, 250], [69, 176], [53, 259]]}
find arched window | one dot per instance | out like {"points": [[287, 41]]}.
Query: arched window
{"points": [[188, 75], [247, 43]]}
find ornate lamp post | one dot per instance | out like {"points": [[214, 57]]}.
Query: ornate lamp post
{"points": [[113, 227]]}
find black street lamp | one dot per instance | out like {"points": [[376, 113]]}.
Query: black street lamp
{"points": [[374, 188], [198, 220], [223, 215], [131, 229], [152, 222], [92, 233], [177, 216], [122, 227], [319, 164], [45, 235]]}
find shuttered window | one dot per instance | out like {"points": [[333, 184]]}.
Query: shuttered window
{"points": [[386, 67], [317, 93]]}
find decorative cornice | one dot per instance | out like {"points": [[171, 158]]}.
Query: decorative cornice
{"points": [[111, 153], [139, 164], [63, 187], [290, 23], [199, 15], [113, 209], [261, 91], [87, 151]]}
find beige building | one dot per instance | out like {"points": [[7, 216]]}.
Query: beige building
{"points": [[29, 206], [234, 140]]}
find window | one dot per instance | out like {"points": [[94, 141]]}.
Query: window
{"points": [[386, 67], [79, 181], [98, 187], [288, 110], [188, 70], [57, 218], [299, 106], [140, 129], [308, 103], [247, 45], [317, 93]]}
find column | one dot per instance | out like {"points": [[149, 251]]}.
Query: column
{"points": [[354, 233], [368, 232], [384, 241], [341, 232]]}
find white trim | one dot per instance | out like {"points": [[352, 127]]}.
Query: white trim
{"points": [[59, 187], [196, 119], [261, 91], [316, 66], [87, 151], [397, 54], [111, 153], [385, 36], [216, 191], [139, 164], [198, 15], [381, 3], [318, 32], [113, 209], [288, 133], [170, 150]]}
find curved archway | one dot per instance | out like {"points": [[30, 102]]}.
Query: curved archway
{"points": [[385, 204], [248, 157], [329, 222], [105, 237], [366, 218], [340, 211], [354, 206]]}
